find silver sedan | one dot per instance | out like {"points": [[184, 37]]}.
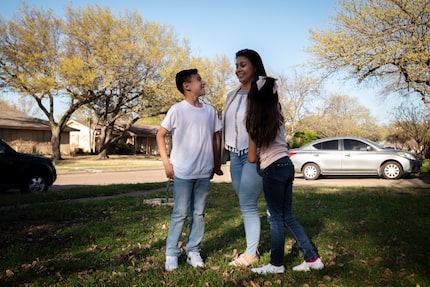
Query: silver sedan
{"points": [[352, 156]]}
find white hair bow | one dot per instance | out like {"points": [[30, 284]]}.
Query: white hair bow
{"points": [[262, 80]]}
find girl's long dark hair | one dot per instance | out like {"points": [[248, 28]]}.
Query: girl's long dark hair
{"points": [[263, 115]]}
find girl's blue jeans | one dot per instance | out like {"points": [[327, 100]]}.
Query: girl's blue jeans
{"points": [[190, 199], [278, 186], [248, 187]]}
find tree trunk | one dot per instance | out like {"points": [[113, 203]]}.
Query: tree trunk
{"points": [[105, 142], [103, 154], [55, 142]]}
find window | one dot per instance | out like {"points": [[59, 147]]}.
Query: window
{"points": [[328, 145], [354, 145]]}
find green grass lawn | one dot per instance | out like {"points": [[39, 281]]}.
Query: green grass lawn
{"points": [[366, 237]]}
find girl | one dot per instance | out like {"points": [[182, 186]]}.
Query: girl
{"points": [[268, 147]]}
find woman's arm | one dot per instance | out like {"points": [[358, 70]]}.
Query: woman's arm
{"points": [[252, 151]]}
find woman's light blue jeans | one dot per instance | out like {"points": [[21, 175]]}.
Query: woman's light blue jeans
{"points": [[248, 185], [190, 198], [278, 186]]}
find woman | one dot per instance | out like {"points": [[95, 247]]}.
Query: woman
{"points": [[268, 147], [246, 182]]}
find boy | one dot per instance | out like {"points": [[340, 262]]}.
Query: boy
{"points": [[194, 158]]}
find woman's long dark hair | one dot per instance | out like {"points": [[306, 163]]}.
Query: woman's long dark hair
{"points": [[255, 60], [263, 115]]}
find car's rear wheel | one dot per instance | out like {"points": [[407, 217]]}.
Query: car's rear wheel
{"points": [[392, 170], [36, 183], [311, 171]]}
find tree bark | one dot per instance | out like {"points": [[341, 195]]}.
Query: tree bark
{"points": [[56, 142]]}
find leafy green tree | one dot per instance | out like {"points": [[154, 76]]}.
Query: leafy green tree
{"points": [[119, 66], [386, 42], [29, 56], [129, 59], [218, 75], [301, 138]]}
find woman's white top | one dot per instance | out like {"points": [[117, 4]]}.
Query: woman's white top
{"points": [[236, 136]]}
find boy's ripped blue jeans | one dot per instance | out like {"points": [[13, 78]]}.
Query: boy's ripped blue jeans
{"points": [[248, 185], [190, 199], [278, 186]]}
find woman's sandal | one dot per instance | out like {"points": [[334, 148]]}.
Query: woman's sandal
{"points": [[244, 260]]}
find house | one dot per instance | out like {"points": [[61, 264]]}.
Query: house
{"points": [[140, 136], [82, 140], [30, 135]]}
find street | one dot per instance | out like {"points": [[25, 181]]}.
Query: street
{"points": [[69, 179]]}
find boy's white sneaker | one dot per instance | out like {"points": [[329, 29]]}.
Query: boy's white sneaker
{"points": [[269, 269], [194, 259], [171, 263], [307, 266]]}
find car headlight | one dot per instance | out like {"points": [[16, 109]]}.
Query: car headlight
{"points": [[407, 155]]}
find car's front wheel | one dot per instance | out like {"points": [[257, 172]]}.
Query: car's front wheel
{"points": [[35, 183], [392, 170], [311, 171]]}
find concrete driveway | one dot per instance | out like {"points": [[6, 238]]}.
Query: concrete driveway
{"points": [[70, 179]]}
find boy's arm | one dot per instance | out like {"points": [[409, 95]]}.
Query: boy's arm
{"points": [[252, 151], [161, 143], [217, 153]]}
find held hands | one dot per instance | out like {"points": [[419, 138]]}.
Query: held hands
{"points": [[217, 170]]}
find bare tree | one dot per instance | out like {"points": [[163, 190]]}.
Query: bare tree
{"points": [[410, 128], [342, 116], [296, 95], [26, 106]]}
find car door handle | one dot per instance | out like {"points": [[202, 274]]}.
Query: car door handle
{"points": [[348, 155]]}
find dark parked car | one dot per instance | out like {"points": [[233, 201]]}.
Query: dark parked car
{"points": [[352, 156], [30, 173]]}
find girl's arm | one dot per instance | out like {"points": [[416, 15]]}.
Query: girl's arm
{"points": [[252, 151]]}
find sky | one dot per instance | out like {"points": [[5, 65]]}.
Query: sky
{"points": [[277, 29]]}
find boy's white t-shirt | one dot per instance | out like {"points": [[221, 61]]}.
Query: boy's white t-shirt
{"points": [[192, 130]]}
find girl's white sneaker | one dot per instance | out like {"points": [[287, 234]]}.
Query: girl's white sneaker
{"points": [[307, 266], [269, 269]]}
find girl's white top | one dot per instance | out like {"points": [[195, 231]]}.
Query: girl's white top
{"points": [[276, 150]]}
